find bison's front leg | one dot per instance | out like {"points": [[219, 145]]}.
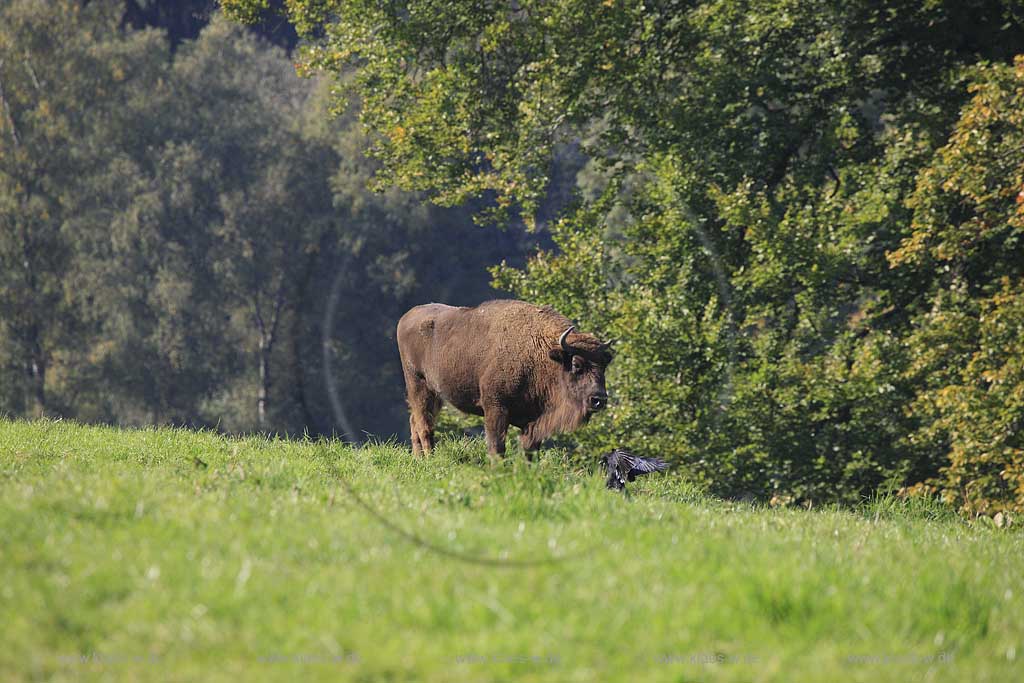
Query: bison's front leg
{"points": [[495, 429], [530, 440]]}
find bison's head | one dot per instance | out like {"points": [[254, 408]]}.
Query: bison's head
{"points": [[583, 363]]}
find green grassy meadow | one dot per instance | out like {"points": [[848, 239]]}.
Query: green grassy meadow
{"points": [[168, 554]]}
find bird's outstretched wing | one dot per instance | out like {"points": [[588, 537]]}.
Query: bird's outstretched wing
{"points": [[640, 465], [623, 466]]}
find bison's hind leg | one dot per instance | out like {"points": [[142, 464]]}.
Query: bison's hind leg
{"points": [[495, 430], [424, 405], [414, 434]]}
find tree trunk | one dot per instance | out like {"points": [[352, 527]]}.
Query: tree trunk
{"points": [[36, 370], [37, 379], [308, 420], [300, 310], [264, 389], [267, 337]]}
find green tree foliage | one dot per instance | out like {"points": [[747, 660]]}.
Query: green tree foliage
{"points": [[173, 223], [65, 76], [965, 241], [752, 167], [229, 205]]}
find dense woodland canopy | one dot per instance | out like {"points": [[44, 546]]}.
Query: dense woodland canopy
{"points": [[801, 218], [175, 208]]}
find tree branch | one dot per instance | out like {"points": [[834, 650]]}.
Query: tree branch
{"points": [[32, 72], [276, 317], [7, 109], [258, 317]]}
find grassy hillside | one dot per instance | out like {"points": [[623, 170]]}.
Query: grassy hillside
{"points": [[174, 555]]}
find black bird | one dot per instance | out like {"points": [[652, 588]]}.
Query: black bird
{"points": [[623, 466]]}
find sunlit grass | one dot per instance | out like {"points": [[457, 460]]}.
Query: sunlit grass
{"points": [[170, 554]]}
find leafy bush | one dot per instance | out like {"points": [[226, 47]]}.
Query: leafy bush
{"points": [[967, 229]]}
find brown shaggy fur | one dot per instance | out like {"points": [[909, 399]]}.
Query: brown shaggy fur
{"points": [[501, 360]]}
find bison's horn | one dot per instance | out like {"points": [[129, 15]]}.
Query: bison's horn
{"points": [[608, 344], [561, 340]]}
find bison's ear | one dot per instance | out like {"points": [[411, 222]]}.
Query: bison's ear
{"points": [[578, 364], [557, 355]]}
